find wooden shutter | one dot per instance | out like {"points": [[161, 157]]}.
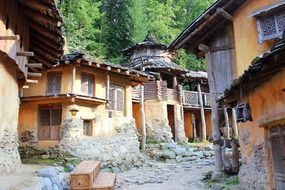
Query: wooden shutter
{"points": [[54, 83], [277, 137], [120, 100], [87, 85], [87, 128], [50, 121]]}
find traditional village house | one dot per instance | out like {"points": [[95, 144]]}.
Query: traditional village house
{"points": [[231, 34], [79, 102], [197, 115], [163, 97], [30, 39]]}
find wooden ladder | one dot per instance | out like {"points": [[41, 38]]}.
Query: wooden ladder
{"points": [[87, 176]]}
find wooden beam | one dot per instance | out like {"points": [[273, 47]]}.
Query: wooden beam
{"points": [[194, 126], [25, 53], [30, 74], [108, 89], [13, 37], [202, 112], [43, 31], [118, 70], [204, 48], [41, 18], [127, 72], [226, 15], [109, 68], [32, 81], [34, 65], [73, 78], [26, 86], [98, 65], [234, 122], [143, 119], [226, 116]]}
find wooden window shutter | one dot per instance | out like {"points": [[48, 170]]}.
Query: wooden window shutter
{"points": [[44, 115], [87, 85], [120, 100], [90, 86], [84, 84], [112, 92], [54, 83]]}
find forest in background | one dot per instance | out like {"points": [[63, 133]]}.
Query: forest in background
{"points": [[102, 28]]}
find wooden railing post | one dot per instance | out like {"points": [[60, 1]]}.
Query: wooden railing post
{"points": [[142, 117], [204, 127]]}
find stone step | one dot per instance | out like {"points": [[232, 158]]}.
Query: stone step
{"points": [[84, 175], [104, 181]]}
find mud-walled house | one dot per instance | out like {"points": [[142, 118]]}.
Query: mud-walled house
{"points": [[197, 106], [164, 98], [83, 108], [235, 36], [29, 36]]}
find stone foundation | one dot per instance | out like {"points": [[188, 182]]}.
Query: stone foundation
{"points": [[158, 131], [119, 151]]}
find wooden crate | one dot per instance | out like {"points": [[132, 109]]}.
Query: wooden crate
{"points": [[104, 181], [84, 175]]}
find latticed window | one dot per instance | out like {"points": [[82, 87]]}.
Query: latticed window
{"points": [[271, 26], [54, 83], [87, 84], [117, 98]]}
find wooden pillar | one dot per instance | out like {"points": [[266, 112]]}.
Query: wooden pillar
{"points": [[142, 117], [234, 121], [204, 127], [73, 78], [175, 82], [227, 124], [214, 113], [194, 126], [108, 89], [176, 123]]}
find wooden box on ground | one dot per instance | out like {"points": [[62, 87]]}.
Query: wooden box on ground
{"points": [[84, 175], [104, 181]]}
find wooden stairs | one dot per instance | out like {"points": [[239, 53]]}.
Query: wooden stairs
{"points": [[87, 176]]}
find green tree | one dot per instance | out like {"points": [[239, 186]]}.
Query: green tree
{"points": [[82, 26], [118, 29]]}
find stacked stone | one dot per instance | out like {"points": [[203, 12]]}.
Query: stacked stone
{"points": [[117, 152], [171, 152], [9, 155]]}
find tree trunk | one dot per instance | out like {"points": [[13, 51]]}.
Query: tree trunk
{"points": [[142, 117]]}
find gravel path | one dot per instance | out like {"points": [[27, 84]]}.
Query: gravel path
{"points": [[166, 176]]}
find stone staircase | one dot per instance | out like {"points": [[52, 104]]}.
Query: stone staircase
{"points": [[87, 176]]}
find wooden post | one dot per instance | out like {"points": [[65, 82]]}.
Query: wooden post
{"points": [[108, 89], [204, 127], [176, 123], [234, 121], [227, 135], [194, 127], [214, 114], [175, 82], [142, 117], [73, 78]]}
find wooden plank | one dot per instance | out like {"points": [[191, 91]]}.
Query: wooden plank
{"points": [[104, 181], [34, 65], [30, 74], [143, 119], [32, 81], [25, 53], [11, 37]]}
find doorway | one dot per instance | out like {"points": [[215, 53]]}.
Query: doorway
{"points": [[170, 116]]}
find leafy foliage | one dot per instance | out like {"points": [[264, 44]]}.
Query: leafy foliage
{"points": [[102, 28]]}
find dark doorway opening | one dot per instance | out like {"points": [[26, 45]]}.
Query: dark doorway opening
{"points": [[170, 116]]}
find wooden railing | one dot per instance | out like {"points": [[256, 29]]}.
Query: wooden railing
{"points": [[191, 98]]}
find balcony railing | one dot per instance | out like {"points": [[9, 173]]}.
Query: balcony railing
{"points": [[191, 98]]}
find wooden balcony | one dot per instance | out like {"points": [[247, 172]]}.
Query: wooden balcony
{"points": [[191, 99]]}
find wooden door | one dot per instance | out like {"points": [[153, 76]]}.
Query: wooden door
{"points": [[277, 138], [49, 124], [171, 122]]}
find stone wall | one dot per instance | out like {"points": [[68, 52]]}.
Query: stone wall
{"points": [[119, 151], [9, 108]]}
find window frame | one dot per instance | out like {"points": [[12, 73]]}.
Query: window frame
{"points": [[54, 74], [90, 77], [260, 28], [114, 106], [50, 108], [90, 131]]}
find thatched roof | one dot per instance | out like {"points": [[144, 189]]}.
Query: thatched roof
{"points": [[208, 24], [46, 40]]}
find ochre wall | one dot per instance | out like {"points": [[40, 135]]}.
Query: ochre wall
{"points": [[189, 125], [246, 35], [102, 124], [9, 109], [265, 115]]}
